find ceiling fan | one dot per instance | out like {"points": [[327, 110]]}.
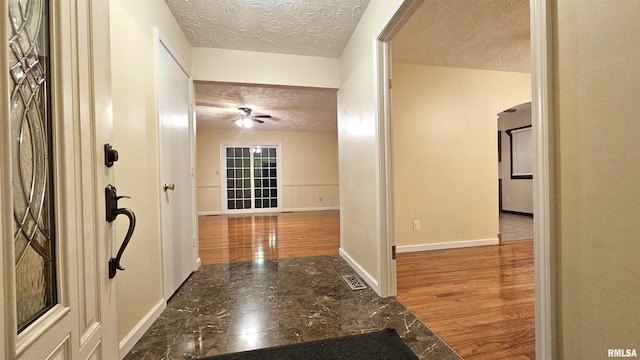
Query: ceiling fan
{"points": [[246, 120]]}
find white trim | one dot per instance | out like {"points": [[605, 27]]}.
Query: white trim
{"points": [[127, 343], [311, 209], [398, 16], [205, 213], [543, 185], [370, 280], [198, 264], [446, 245]]}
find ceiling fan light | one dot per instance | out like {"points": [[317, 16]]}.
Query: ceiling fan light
{"points": [[238, 122], [246, 122]]}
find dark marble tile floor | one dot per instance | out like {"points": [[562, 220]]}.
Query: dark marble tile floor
{"points": [[235, 307]]}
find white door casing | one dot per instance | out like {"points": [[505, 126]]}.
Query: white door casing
{"points": [[177, 181], [83, 323]]}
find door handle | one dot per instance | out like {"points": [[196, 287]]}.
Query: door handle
{"points": [[111, 199], [168, 186]]}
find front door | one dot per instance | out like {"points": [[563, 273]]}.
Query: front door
{"points": [[58, 301]]}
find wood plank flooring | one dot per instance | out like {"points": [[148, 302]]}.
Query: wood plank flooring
{"points": [[479, 300], [234, 238]]}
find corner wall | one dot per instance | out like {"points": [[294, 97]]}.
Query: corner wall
{"points": [[133, 60], [309, 168], [596, 67], [359, 143], [445, 154]]}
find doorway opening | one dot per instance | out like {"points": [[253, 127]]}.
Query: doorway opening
{"points": [[541, 134]]}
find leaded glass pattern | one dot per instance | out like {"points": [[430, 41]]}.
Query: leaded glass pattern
{"points": [[31, 161]]}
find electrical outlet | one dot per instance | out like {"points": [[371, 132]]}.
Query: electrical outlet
{"points": [[508, 200], [416, 225]]}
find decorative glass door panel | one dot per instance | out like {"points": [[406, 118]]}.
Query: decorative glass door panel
{"points": [[252, 178], [32, 163]]}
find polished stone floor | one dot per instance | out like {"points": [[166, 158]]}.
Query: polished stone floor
{"points": [[234, 307]]}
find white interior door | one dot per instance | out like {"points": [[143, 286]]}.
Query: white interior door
{"points": [[179, 248], [57, 299]]}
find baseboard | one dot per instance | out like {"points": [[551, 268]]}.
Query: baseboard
{"points": [[370, 280], [198, 264], [447, 245], [205, 213], [517, 212], [311, 209], [134, 335]]}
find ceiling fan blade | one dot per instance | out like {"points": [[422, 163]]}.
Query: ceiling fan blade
{"points": [[263, 116], [258, 121]]}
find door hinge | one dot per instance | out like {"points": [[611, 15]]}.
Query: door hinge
{"points": [[193, 243], [390, 84], [393, 252]]}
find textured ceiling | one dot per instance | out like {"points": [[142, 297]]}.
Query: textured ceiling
{"points": [[304, 27], [292, 109], [475, 34]]}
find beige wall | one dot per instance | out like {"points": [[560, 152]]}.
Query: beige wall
{"points": [[264, 68], [136, 138], [597, 87], [309, 167], [445, 157], [517, 194]]}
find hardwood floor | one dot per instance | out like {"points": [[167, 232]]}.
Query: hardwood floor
{"points": [[479, 300], [235, 238]]}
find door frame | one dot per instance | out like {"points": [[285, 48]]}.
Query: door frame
{"points": [[223, 177], [163, 41], [544, 255]]}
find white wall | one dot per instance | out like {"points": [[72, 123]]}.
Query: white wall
{"points": [[250, 67], [517, 194], [136, 139], [309, 167], [359, 144], [445, 155]]}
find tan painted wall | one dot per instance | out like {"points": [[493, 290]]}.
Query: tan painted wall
{"points": [[264, 68], [445, 158], [517, 194], [597, 87], [309, 167], [136, 138]]}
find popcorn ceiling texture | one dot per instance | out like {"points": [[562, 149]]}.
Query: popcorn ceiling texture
{"points": [[303, 27], [475, 34], [292, 109]]}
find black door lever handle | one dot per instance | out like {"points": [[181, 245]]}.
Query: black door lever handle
{"points": [[111, 198]]}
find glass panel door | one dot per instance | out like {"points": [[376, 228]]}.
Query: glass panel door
{"points": [[252, 178], [32, 163]]}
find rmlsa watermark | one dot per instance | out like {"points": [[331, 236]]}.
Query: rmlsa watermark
{"points": [[622, 353]]}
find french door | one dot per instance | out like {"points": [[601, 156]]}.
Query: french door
{"points": [[57, 299], [252, 178]]}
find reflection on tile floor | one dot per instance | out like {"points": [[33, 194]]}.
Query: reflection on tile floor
{"points": [[234, 307]]}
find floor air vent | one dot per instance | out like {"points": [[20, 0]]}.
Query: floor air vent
{"points": [[353, 282]]}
